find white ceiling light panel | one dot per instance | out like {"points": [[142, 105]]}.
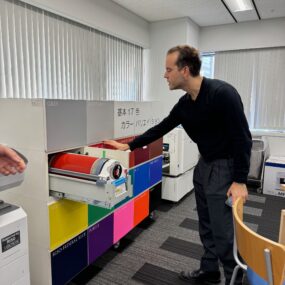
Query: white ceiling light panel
{"points": [[239, 5]]}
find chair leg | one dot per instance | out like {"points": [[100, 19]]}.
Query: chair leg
{"points": [[233, 279]]}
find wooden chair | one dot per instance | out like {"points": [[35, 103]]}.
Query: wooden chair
{"points": [[264, 259], [282, 228]]}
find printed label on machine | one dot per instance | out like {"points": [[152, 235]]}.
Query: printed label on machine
{"points": [[10, 241], [120, 190]]}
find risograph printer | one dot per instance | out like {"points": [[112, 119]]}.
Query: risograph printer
{"points": [[180, 155], [14, 255]]}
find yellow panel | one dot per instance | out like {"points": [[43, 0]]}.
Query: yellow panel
{"points": [[66, 220]]}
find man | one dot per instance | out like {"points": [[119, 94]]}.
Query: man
{"points": [[10, 161], [211, 113]]}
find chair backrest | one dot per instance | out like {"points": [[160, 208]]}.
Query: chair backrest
{"points": [[251, 247], [282, 228]]}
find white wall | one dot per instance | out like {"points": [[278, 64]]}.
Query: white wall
{"points": [[257, 34], [163, 36], [277, 145], [103, 15]]}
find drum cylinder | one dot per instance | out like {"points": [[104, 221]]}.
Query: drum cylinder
{"points": [[87, 164], [74, 162]]}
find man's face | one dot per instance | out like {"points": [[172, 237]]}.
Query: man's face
{"points": [[173, 75]]}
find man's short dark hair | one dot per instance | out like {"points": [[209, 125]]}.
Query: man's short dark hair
{"points": [[188, 56]]}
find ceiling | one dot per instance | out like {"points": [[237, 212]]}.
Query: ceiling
{"points": [[202, 12]]}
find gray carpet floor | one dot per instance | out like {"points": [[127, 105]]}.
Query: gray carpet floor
{"points": [[156, 251]]}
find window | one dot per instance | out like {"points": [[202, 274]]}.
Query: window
{"points": [[258, 75], [43, 55], [207, 68]]}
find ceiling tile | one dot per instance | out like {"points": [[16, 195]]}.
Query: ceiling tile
{"points": [[202, 12]]}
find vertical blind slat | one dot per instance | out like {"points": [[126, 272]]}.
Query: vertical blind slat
{"points": [[258, 76], [43, 55]]}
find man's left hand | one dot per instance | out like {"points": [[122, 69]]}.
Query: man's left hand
{"points": [[238, 190]]}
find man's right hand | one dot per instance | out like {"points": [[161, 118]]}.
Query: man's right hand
{"points": [[117, 145]]}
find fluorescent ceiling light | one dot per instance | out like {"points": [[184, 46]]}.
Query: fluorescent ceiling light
{"points": [[239, 5]]}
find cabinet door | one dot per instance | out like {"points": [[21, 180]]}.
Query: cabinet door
{"points": [[66, 220], [155, 170], [123, 220], [141, 155], [100, 238], [141, 178], [155, 148], [69, 259], [141, 207]]}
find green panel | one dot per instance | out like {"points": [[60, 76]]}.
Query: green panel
{"points": [[97, 213]]}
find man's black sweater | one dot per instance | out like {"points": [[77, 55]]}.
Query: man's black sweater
{"points": [[215, 121]]}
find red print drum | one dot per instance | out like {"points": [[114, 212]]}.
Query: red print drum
{"points": [[74, 162], [87, 164]]}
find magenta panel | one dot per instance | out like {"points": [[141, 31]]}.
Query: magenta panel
{"points": [[123, 220]]}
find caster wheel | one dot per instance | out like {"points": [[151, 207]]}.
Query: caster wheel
{"points": [[259, 190], [116, 245], [152, 215]]}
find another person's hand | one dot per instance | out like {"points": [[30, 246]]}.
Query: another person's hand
{"points": [[238, 190], [117, 145], [10, 161]]}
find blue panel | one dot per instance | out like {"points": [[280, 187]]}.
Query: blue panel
{"points": [[155, 170], [141, 178], [254, 279], [69, 259]]}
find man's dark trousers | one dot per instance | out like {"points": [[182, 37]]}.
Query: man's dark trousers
{"points": [[212, 180]]}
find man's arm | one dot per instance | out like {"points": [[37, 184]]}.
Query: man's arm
{"points": [[232, 108], [10, 161]]}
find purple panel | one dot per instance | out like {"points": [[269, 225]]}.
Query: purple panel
{"points": [[100, 238]]}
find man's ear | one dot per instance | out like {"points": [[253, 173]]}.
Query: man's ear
{"points": [[186, 70]]}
